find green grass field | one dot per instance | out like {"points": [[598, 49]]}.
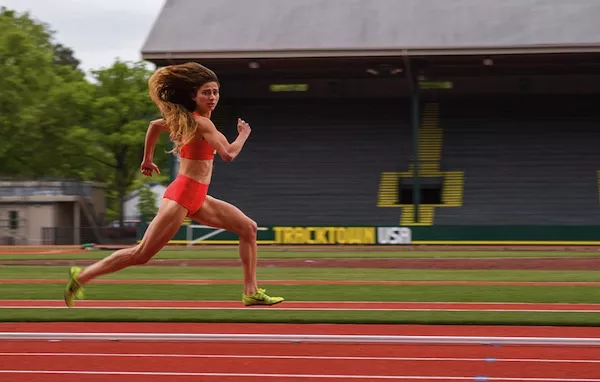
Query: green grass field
{"points": [[297, 317], [384, 293], [353, 274], [428, 293]]}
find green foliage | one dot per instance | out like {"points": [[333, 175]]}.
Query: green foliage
{"points": [[121, 111], [147, 203], [26, 56], [63, 126], [65, 56], [44, 106]]}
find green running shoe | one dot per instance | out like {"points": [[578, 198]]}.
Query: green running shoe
{"points": [[260, 297], [73, 290]]}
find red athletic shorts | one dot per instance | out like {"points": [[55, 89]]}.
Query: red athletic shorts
{"points": [[187, 192]]}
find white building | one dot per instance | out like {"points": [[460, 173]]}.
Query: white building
{"points": [[131, 212], [51, 212]]}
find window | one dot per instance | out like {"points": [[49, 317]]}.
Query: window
{"points": [[13, 219], [430, 190]]}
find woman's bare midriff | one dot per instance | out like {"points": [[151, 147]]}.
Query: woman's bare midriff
{"points": [[199, 170]]}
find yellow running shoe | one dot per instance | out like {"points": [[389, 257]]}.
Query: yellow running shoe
{"points": [[73, 290], [260, 298]]}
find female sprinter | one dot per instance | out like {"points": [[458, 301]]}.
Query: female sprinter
{"points": [[186, 95]]}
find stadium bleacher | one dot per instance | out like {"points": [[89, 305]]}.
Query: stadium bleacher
{"points": [[528, 160], [315, 163]]}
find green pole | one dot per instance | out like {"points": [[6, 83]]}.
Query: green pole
{"points": [[415, 129]]}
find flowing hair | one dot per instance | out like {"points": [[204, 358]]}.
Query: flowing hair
{"points": [[172, 89]]}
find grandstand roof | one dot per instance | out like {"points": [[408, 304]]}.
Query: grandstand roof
{"points": [[200, 29]]}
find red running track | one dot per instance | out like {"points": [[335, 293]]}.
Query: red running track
{"points": [[312, 282], [87, 361]]}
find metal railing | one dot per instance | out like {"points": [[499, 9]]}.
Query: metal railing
{"points": [[66, 235], [46, 188]]}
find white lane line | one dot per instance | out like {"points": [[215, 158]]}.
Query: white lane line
{"points": [[310, 309], [311, 376], [263, 337], [298, 357]]}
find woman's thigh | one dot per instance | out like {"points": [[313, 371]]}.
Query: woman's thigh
{"points": [[163, 227], [220, 214]]}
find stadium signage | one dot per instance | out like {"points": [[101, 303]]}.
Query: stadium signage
{"points": [[394, 235], [192, 234], [288, 88], [341, 235]]}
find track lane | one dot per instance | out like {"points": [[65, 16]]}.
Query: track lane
{"points": [[519, 363]]}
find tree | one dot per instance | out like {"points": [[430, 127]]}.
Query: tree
{"points": [[61, 125], [122, 112], [26, 74], [147, 203], [42, 105], [65, 56]]}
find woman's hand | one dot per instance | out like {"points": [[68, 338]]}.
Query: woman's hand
{"points": [[148, 167], [243, 128]]}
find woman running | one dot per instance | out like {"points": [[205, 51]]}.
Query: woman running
{"points": [[186, 95]]}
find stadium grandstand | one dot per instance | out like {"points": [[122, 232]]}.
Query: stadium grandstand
{"points": [[401, 113]]}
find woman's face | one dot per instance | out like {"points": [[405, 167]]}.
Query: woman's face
{"points": [[207, 97]]}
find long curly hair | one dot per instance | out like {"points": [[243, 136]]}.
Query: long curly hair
{"points": [[171, 89]]}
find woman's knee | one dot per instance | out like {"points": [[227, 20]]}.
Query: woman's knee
{"points": [[141, 254], [249, 229]]}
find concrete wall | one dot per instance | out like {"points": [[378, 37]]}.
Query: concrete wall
{"points": [[31, 219]]}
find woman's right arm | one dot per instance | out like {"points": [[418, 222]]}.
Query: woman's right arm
{"points": [[154, 129]]}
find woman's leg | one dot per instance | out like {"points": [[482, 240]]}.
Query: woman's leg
{"points": [[219, 214], [160, 231]]}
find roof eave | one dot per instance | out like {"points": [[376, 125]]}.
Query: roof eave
{"points": [[381, 52]]}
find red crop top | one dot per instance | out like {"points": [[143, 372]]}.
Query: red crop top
{"points": [[197, 149]]}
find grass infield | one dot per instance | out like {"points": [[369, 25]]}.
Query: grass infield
{"points": [[273, 316], [384, 293], [264, 273]]}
